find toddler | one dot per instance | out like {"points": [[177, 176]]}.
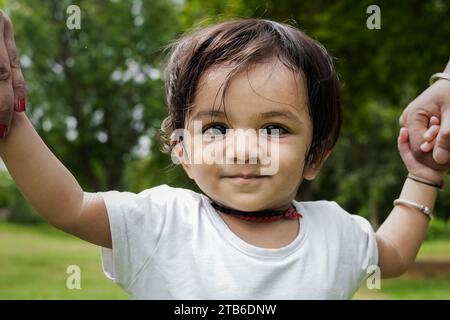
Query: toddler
{"points": [[245, 236]]}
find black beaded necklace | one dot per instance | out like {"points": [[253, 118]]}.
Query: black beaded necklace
{"points": [[262, 215]]}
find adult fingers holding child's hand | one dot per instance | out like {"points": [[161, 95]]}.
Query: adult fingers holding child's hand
{"points": [[413, 166], [12, 84], [435, 100], [18, 81], [431, 134], [441, 152]]}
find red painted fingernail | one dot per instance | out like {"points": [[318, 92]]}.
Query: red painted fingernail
{"points": [[22, 104], [3, 130]]}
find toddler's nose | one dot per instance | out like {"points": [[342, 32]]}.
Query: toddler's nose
{"points": [[242, 146]]}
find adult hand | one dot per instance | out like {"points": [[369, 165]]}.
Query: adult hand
{"points": [[434, 101], [12, 83]]}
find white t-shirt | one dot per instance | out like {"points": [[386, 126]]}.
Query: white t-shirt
{"points": [[170, 243]]}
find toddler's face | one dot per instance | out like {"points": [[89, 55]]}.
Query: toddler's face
{"points": [[268, 87]]}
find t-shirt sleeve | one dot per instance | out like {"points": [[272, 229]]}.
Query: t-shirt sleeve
{"points": [[361, 241], [366, 244], [136, 222]]}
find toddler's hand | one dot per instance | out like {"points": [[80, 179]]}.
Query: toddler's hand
{"points": [[414, 167]]}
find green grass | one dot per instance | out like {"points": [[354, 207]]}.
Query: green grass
{"points": [[408, 287], [34, 260], [435, 250]]}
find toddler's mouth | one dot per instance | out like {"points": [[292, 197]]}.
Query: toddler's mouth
{"points": [[246, 178]]}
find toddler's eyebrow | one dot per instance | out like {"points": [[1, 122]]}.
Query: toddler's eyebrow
{"points": [[269, 114]]}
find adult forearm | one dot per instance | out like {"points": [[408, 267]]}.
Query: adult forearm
{"points": [[405, 228], [43, 180]]}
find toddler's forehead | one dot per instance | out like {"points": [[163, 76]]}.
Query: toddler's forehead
{"points": [[270, 80]]}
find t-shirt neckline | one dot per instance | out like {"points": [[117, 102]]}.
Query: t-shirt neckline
{"points": [[250, 249]]}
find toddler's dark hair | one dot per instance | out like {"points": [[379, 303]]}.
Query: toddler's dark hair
{"points": [[240, 43]]}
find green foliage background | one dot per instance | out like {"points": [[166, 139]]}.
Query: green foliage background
{"points": [[92, 113]]}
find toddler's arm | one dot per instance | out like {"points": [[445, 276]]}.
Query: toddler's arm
{"points": [[400, 236], [50, 188]]}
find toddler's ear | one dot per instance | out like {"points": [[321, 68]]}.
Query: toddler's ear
{"points": [[310, 172], [179, 152]]}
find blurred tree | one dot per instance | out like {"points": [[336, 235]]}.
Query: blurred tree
{"points": [[96, 94]]}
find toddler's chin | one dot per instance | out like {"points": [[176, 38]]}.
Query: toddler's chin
{"points": [[247, 202]]}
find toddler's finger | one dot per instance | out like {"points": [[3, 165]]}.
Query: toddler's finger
{"points": [[428, 146], [434, 121], [431, 132]]}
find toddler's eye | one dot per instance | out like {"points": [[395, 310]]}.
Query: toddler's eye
{"points": [[214, 130], [272, 129]]}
